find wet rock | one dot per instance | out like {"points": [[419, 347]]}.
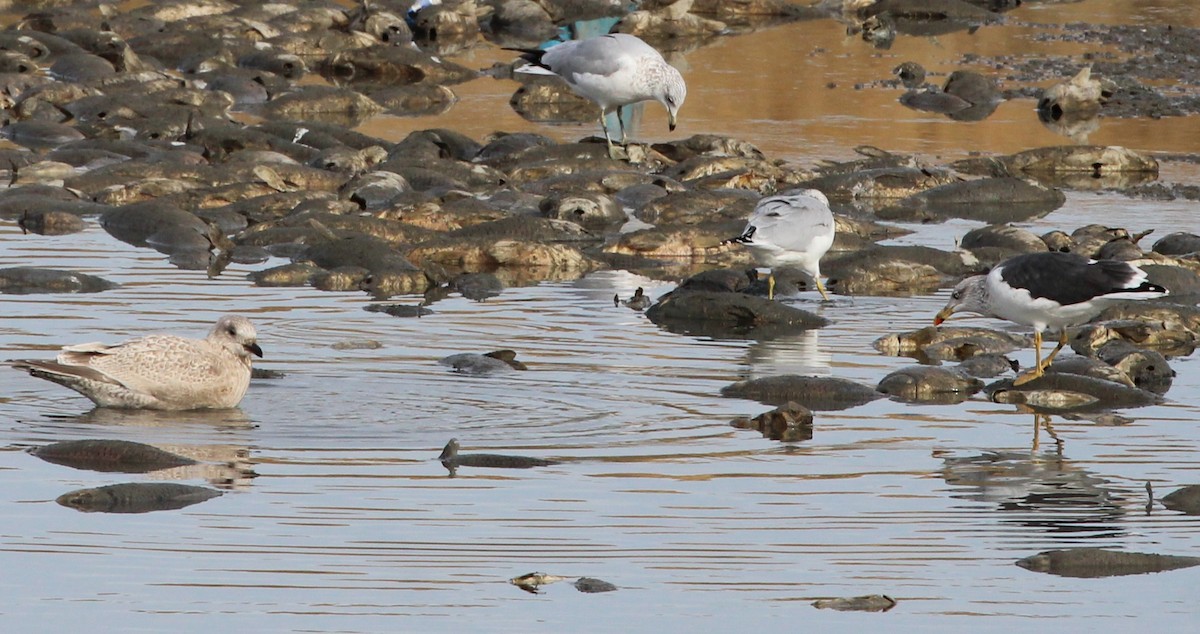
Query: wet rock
{"points": [[136, 497], [1007, 238], [452, 460], [1157, 336], [477, 286], [367, 252], [1080, 96], [51, 223], [639, 301], [398, 310], [910, 74], [487, 363], [734, 314], [357, 344], [542, 99], [928, 384], [591, 585], [966, 96], [816, 393], [340, 278], [1148, 369], [1089, 239], [110, 456], [1093, 563], [1185, 500], [980, 341], [1070, 165], [1076, 392], [530, 582], [1088, 366], [667, 25], [790, 422], [166, 226], [1172, 317], [590, 210], [695, 206], [329, 104], [987, 365], [1177, 243], [26, 280], [39, 135], [417, 100], [521, 23], [890, 270], [866, 603], [1124, 249], [295, 274], [990, 200], [934, 101], [880, 183]]}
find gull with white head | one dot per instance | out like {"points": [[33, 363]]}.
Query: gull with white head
{"points": [[613, 70], [792, 229], [1049, 290]]}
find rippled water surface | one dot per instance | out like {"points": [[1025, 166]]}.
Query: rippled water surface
{"points": [[352, 525]]}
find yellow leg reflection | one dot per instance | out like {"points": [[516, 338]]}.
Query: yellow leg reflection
{"points": [[1040, 421]]}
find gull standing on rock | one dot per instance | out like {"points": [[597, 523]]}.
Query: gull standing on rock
{"points": [[790, 229], [1050, 289], [161, 372], [613, 70]]}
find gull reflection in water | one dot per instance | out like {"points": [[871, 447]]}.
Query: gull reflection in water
{"points": [[798, 353]]}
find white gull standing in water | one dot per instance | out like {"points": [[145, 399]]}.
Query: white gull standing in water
{"points": [[613, 70], [793, 229], [1049, 290], [162, 372]]}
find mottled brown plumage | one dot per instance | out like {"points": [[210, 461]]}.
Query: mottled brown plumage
{"points": [[161, 372]]}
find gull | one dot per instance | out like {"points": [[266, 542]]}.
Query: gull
{"points": [[790, 229], [161, 372], [613, 70], [1049, 290]]}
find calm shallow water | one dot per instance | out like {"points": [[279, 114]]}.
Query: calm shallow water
{"points": [[352, 525]]}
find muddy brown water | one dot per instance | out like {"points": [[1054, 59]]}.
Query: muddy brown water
{"points": [[352, 525]]}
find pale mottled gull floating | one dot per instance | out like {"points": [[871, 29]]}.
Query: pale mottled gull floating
{"points": [[613, 70], [793, 229], [161, 372], [1049, 290]]}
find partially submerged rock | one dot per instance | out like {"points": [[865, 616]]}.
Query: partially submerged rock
{"points": [[814, 392], [1099, 562], [136, 497], [790, 422], [487, 363], [24, 280], [929, 384], [1062, 391], [121, 456], [865, 603], [1186, 500], [733, 314], [950, 342], [452, 460]]}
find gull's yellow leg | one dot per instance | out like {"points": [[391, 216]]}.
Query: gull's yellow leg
{"points": [[1037, 367], [771, 285], [1062, 341], [821, 287]]}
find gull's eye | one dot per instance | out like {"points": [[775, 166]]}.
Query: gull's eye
{"points": [[956, 295], [773, 214]]}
